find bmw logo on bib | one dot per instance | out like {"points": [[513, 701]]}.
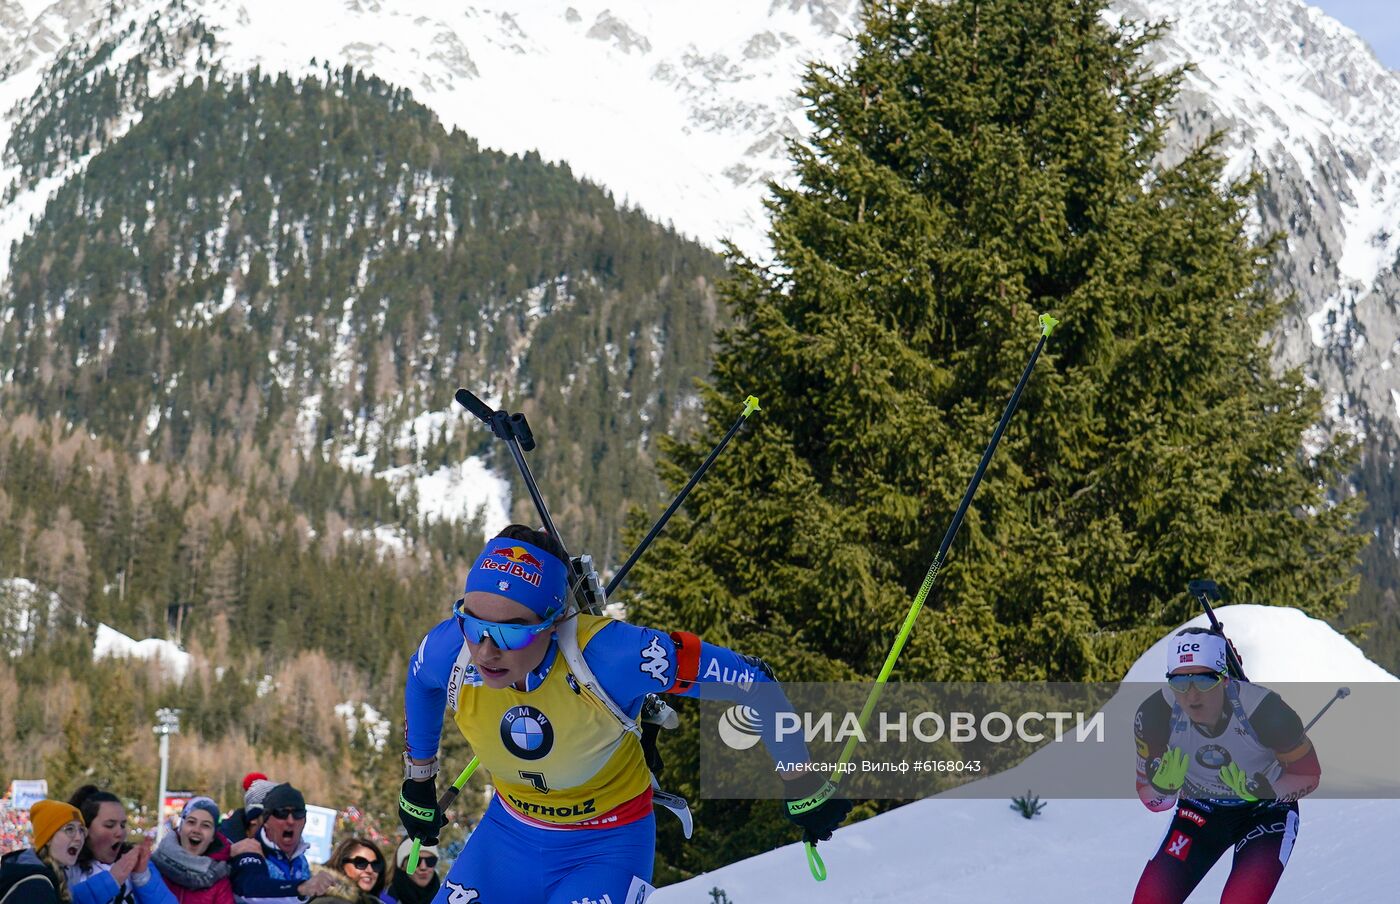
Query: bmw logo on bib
{"points": [[527, 732]]}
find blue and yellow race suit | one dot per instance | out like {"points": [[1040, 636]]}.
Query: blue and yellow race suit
{"points": [[561, 762]]}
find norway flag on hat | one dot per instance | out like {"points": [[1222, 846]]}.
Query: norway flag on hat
{"points": [[1188, 648]]}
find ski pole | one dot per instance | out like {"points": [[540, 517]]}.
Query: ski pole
{"points": [[1204, 591], [750, 406], [1341, 694], [515, 430], [1047, 325], [444, 802]]}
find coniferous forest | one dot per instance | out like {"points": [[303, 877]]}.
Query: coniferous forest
{"points": [[975, 165], [262, 282]]}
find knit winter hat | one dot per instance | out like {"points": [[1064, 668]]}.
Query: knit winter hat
{"points": [[284, 795], [255, 795], [48, 816], [252, 777], [406, 848], [201, 803]]}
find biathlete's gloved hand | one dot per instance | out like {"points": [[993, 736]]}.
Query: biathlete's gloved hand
{"points": [[418, 810], [1171, 772], [1232, 775], [814, 806]]}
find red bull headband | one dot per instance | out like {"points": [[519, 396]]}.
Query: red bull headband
{"points": [[521, 572]]}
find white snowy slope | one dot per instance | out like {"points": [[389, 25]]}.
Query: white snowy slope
{"points": [[980, 851], [682, 108], [113, 644]]}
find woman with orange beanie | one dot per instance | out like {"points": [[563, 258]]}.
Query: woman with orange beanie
{"points": [[35, 874]]}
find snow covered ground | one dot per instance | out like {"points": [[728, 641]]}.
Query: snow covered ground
{"points": [[946, 849], [113, 644]]}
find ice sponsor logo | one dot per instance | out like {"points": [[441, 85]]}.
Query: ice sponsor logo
{"points": [[740, 727], [518, 563]]}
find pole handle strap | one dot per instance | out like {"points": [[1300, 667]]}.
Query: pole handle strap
{"points": [[814, 862]]}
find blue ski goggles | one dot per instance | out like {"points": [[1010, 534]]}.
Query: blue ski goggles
{"points": [[1182, 684], [504, 636]]}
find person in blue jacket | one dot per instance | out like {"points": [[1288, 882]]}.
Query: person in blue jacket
{"points": [[278, 872], [573, 801], [108, 870]]}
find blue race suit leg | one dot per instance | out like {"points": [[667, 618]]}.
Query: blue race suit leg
{"points": [[506, 861]]}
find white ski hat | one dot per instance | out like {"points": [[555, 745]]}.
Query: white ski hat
{"points": [[1189, 648]]}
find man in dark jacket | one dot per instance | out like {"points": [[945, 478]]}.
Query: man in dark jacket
{"points": [[279, 873]]}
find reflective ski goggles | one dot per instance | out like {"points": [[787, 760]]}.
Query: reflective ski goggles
{"points": [[1182, 684], [504, 636]]}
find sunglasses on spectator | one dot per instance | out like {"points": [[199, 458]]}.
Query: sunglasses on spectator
{"points": [[288, 813], [366, 863], [1183, 683], [427, 860]]}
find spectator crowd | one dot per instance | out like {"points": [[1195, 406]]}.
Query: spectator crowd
{"points": [[80, 851]]}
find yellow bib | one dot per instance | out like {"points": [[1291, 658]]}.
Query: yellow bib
{"points": [[556, 755]]}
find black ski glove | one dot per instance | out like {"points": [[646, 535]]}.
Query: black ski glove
{"points": [[814, 806], [418, 810]]}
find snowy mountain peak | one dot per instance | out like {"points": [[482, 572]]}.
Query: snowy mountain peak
{"points": [[685, 110]]}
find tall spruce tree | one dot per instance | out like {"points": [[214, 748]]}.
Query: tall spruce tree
{"points": [[976, 163]]}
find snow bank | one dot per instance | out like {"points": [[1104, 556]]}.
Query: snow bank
{"points": [[1275, 644], [113, 644], [946, 849]]}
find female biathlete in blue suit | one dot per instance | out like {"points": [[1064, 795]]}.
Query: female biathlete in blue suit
{"points": [[572, 817]]}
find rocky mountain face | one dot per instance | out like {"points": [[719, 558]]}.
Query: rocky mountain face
{"points": [[685, 110]]}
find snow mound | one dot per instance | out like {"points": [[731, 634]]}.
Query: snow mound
{"points": [[113, 644], [947, 849], [1275, 644]]}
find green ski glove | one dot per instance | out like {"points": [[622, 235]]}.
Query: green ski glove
{"points": [[1171, 772], [1232, 775]]}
